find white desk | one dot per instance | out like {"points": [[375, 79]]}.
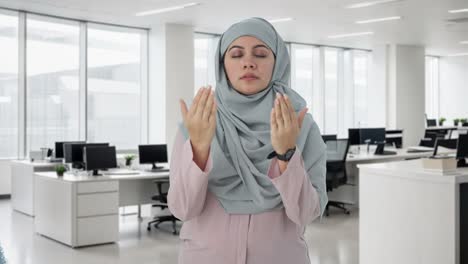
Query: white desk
{"points": [[83, 210], [409, 215], [350, 193], [22, 183]]}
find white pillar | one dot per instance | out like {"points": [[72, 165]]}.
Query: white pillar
{"points": [[406, 91], [171, 77], [377, 88]]}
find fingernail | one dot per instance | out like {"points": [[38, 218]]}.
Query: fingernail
{"points": [[278, 95], [286, 96]]}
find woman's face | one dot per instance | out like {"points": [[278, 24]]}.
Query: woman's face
{"points": [[249, 65]]}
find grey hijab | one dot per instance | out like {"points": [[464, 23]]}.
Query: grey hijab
{"points": [[242, 140]]}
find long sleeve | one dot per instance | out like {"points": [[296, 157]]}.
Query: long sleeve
{"points": [[188, 183], [300, 198]]}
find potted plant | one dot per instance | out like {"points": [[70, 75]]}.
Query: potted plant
{"points": [[128, 159], [456, 121], [463, 120], [60, 169], [441, 121]]}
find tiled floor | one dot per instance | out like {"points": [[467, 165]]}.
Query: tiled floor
{"points": [[333, 240]]}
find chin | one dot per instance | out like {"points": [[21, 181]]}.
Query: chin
{"points": [[249, 90]]}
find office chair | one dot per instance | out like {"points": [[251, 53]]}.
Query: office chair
{"points": [[431, 122], [430, 139], [328, 137], [396, 142], [337, 150], [446, 143], [394, 138], [161, 201]]}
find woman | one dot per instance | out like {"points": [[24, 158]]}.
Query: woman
{"points": [[237, 204]]}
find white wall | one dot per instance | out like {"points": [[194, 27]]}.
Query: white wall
{"points": [[453, 88]]}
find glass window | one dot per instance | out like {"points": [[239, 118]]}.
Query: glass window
{"points": [[52, 66], [204, 63], [114, 86], [302, 71], [331, 91], [9, 86], [360, 79]]}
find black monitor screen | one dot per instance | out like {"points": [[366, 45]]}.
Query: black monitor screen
{"points": [[73, 152], [446, 143], [373, 135], [99, 157], [59, 149], [431, 122], [354, 136], [462, 146], [152, 153]]}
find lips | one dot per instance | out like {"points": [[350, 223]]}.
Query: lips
{"points": [[249, 76]]}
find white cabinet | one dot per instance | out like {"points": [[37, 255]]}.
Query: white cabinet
{"points": [[97, 204], [77, 213], [22, 184], [409, 215], [97, 230], [82, 210]]}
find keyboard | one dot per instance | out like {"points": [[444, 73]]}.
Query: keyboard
{"points": [[419, 149], [120, 172], [158, 170], [386, 152]]}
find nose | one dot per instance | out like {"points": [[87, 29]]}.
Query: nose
{"points": [[248, 63]]}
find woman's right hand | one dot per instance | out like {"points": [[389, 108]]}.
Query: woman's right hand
{"points": [[200, 121]]}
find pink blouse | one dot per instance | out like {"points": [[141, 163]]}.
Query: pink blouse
{"points": [[210, 235]]}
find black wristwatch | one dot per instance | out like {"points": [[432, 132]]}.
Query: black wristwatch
{"points": [[284, 157]]}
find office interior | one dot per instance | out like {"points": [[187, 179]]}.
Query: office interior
{"points": [[92, 89]]}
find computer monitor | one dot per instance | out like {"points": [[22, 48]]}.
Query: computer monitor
{"points": [[431, 122], [59, 153], [73, 152], [152, 154], [328, 137], [372, 135], [354, 136], [462, 150], [99, 158], [446, 143]]}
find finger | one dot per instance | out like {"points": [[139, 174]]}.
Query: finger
{"points": [[273, 123], [196, 100], [292, 112], [209, 105], [278, 116], [202, 103], [301, 116], [212, 117], [183, 109], [285, 112]]}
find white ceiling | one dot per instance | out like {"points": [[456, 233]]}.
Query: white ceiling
{"points": [[424, 21]]}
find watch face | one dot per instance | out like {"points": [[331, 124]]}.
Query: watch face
{"points": [[289, 154]]}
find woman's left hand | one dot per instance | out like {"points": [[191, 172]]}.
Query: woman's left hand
{"points": [[285, 124]]}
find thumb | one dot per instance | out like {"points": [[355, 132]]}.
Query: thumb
{"points": [[183, 109], [301, 116]]}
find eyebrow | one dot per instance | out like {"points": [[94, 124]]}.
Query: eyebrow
{"points": [[256, 46]]}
